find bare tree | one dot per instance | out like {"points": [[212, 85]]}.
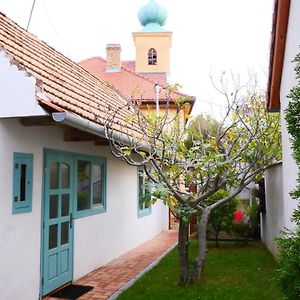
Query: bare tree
{"points": [[245, 143]]}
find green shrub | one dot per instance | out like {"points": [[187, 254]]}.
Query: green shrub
{"points": [[249, 227], [288, 272], [241, 230], [288, 244], [221, 218], [253, 222]]}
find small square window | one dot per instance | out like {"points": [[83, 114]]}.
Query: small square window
{"points": [[22, 182]]}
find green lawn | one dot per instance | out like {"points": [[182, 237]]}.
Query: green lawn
{"points": [[240, 272]]}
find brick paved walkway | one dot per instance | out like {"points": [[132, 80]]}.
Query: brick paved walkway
{"points": [[110, 278]]}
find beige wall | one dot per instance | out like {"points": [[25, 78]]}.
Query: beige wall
{"points": [[161, 42], [171, 114]]}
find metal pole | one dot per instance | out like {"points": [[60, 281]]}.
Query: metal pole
{"points": [[157, 90]]}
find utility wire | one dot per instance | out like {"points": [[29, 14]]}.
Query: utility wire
{"points": [[30, 14], [54, 29]]}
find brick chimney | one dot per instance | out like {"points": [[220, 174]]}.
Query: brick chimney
{"points": [[113, 57]]}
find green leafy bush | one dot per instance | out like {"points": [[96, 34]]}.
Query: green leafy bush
{"points": [[221, 218], [288, 273], [248, 228]]}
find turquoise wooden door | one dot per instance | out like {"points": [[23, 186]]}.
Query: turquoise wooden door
{"points": [[57, 221]]}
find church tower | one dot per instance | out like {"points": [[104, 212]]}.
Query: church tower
{"points": [[152, 43]]}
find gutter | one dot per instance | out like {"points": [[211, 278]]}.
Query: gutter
{"points": [[82, 124]]}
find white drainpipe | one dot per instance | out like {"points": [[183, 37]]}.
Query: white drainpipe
{"points": [[157, 89]]}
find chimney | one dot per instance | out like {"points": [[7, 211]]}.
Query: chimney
{"points": [[113, 57]]}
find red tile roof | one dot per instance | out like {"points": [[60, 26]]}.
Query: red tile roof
{"points": [[160, 78], [66, 84], [132, 85], [128, 64]]}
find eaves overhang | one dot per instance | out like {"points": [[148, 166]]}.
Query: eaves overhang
{"points": [[277, 49]]}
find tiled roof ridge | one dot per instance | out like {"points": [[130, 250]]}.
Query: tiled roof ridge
{"points": [[17, 25], [66, 83], [136, 74], [113, 87], [155, 82]]}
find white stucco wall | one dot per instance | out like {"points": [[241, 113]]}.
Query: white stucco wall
{"points": [[119, 229], [19, 234], [280, 205], [273, 221], [97, 239], [289, 168], [16, 86]]}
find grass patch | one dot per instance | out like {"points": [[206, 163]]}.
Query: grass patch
{"points": [[234, 271]]}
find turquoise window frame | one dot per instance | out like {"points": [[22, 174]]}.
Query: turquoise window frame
{"points": [[145, 211], [20, 160], [94, 208]]}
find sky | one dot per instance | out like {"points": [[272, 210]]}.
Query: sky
{"points": [[209, 36]]}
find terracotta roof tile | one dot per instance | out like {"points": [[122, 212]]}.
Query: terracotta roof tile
{"points": [[132, 85], [65, 83], [128, 64], [160, 78]]}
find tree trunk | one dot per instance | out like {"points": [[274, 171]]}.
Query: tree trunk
{"points": [[201, 259], [183, 250]]}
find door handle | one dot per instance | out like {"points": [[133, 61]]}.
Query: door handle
{"points": [[71, 220]]}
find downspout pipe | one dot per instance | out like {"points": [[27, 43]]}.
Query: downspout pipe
{"points": [[157, 89], [93, 128]]}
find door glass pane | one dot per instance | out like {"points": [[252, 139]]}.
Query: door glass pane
{"points": [[65, 176], [53, 207], [97, 184], [64, 233], [52, 236], [83, 185], [65, 200], [54, 176], [141, 174], [23, 182]]}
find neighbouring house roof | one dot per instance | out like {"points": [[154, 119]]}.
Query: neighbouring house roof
{"points": [[66, 84], [160, 78], [132, 85], [278, 40]]}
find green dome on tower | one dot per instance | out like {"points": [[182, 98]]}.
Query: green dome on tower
{"points": [[152, 16]]}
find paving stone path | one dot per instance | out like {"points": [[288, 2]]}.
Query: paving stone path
{"points": [[110, 278]]}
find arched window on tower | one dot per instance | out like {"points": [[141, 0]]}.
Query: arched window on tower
{"points": [[152, 57]]}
